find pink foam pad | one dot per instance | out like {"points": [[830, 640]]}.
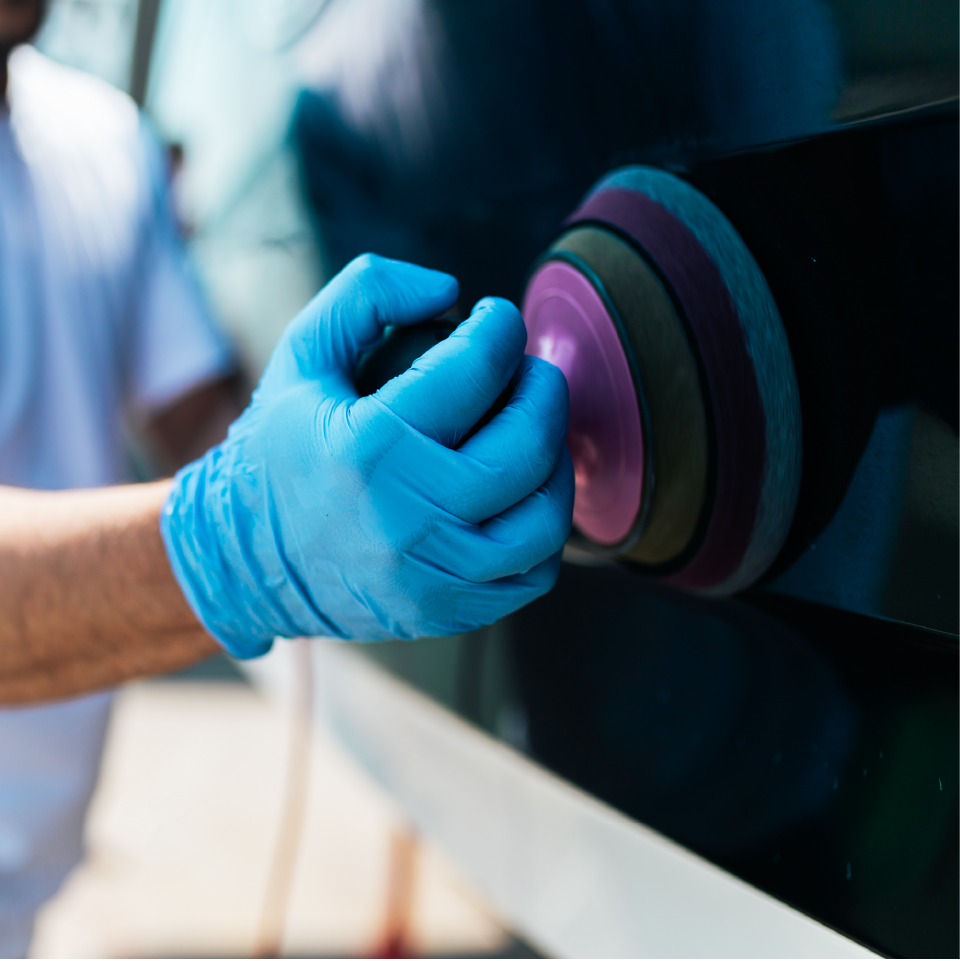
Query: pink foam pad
{"points": [[568, 325]]}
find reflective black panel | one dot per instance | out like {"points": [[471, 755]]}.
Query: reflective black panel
{"points": [[811, 752], [464, 134], [805, 736], [856, 232]]}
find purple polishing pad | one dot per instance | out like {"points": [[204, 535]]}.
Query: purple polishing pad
{"points": [[737, 407], [568, 325]]}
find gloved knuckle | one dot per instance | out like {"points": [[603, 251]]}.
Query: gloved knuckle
{"points": [[368, 269], [544, 445], [474, 574], [541, 455], [556, 529], [365, 262], [512, 333]]}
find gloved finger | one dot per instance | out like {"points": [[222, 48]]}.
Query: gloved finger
{"points": [[521, 446], [513, 592], [533, 583], [501, 464], [349, 314], [454, 384], [538, 526], [486, 603], [512, 542]]}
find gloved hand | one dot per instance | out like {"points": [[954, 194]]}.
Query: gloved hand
{"points": [[367, 518]]}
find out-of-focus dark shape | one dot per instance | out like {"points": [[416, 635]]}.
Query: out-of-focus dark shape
{"points": [[783, 740], [146, 28], [400, 347], [721, 727], [453, 128]]}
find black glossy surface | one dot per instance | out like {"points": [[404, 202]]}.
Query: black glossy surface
{"points": [[792, 749], [856, 232], [724, 724], [463, 137], [811, 752], [857, 236]]}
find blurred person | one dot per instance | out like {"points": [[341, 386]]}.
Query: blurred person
{"points": [[100, 324], [321, 513]]}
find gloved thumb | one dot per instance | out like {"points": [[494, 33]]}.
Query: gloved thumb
{"points": [[349, 314]]}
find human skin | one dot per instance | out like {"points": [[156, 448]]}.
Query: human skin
{"points": [[87, 595], [19, 21]]}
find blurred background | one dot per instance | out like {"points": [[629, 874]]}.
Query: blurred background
{"points": [[219, 81], [183, 830]]}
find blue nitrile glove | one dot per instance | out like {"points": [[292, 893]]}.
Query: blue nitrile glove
{"points": [[325, 513]]}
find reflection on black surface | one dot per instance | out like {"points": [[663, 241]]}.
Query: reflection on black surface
{"points": [[460, 134], [869, 308], [712, 723], [465, 149], [811, 752], [463, 138], [806, 758]]}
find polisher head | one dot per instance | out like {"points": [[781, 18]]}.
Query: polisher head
{"points": [[650, 259]]}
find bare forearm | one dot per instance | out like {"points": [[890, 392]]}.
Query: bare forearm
{"points": [[87, 596]]}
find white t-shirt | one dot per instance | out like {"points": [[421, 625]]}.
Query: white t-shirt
{"points": [[99, 317]]}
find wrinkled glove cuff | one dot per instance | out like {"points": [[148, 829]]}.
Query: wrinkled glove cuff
{"points": [[219, 573]]}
